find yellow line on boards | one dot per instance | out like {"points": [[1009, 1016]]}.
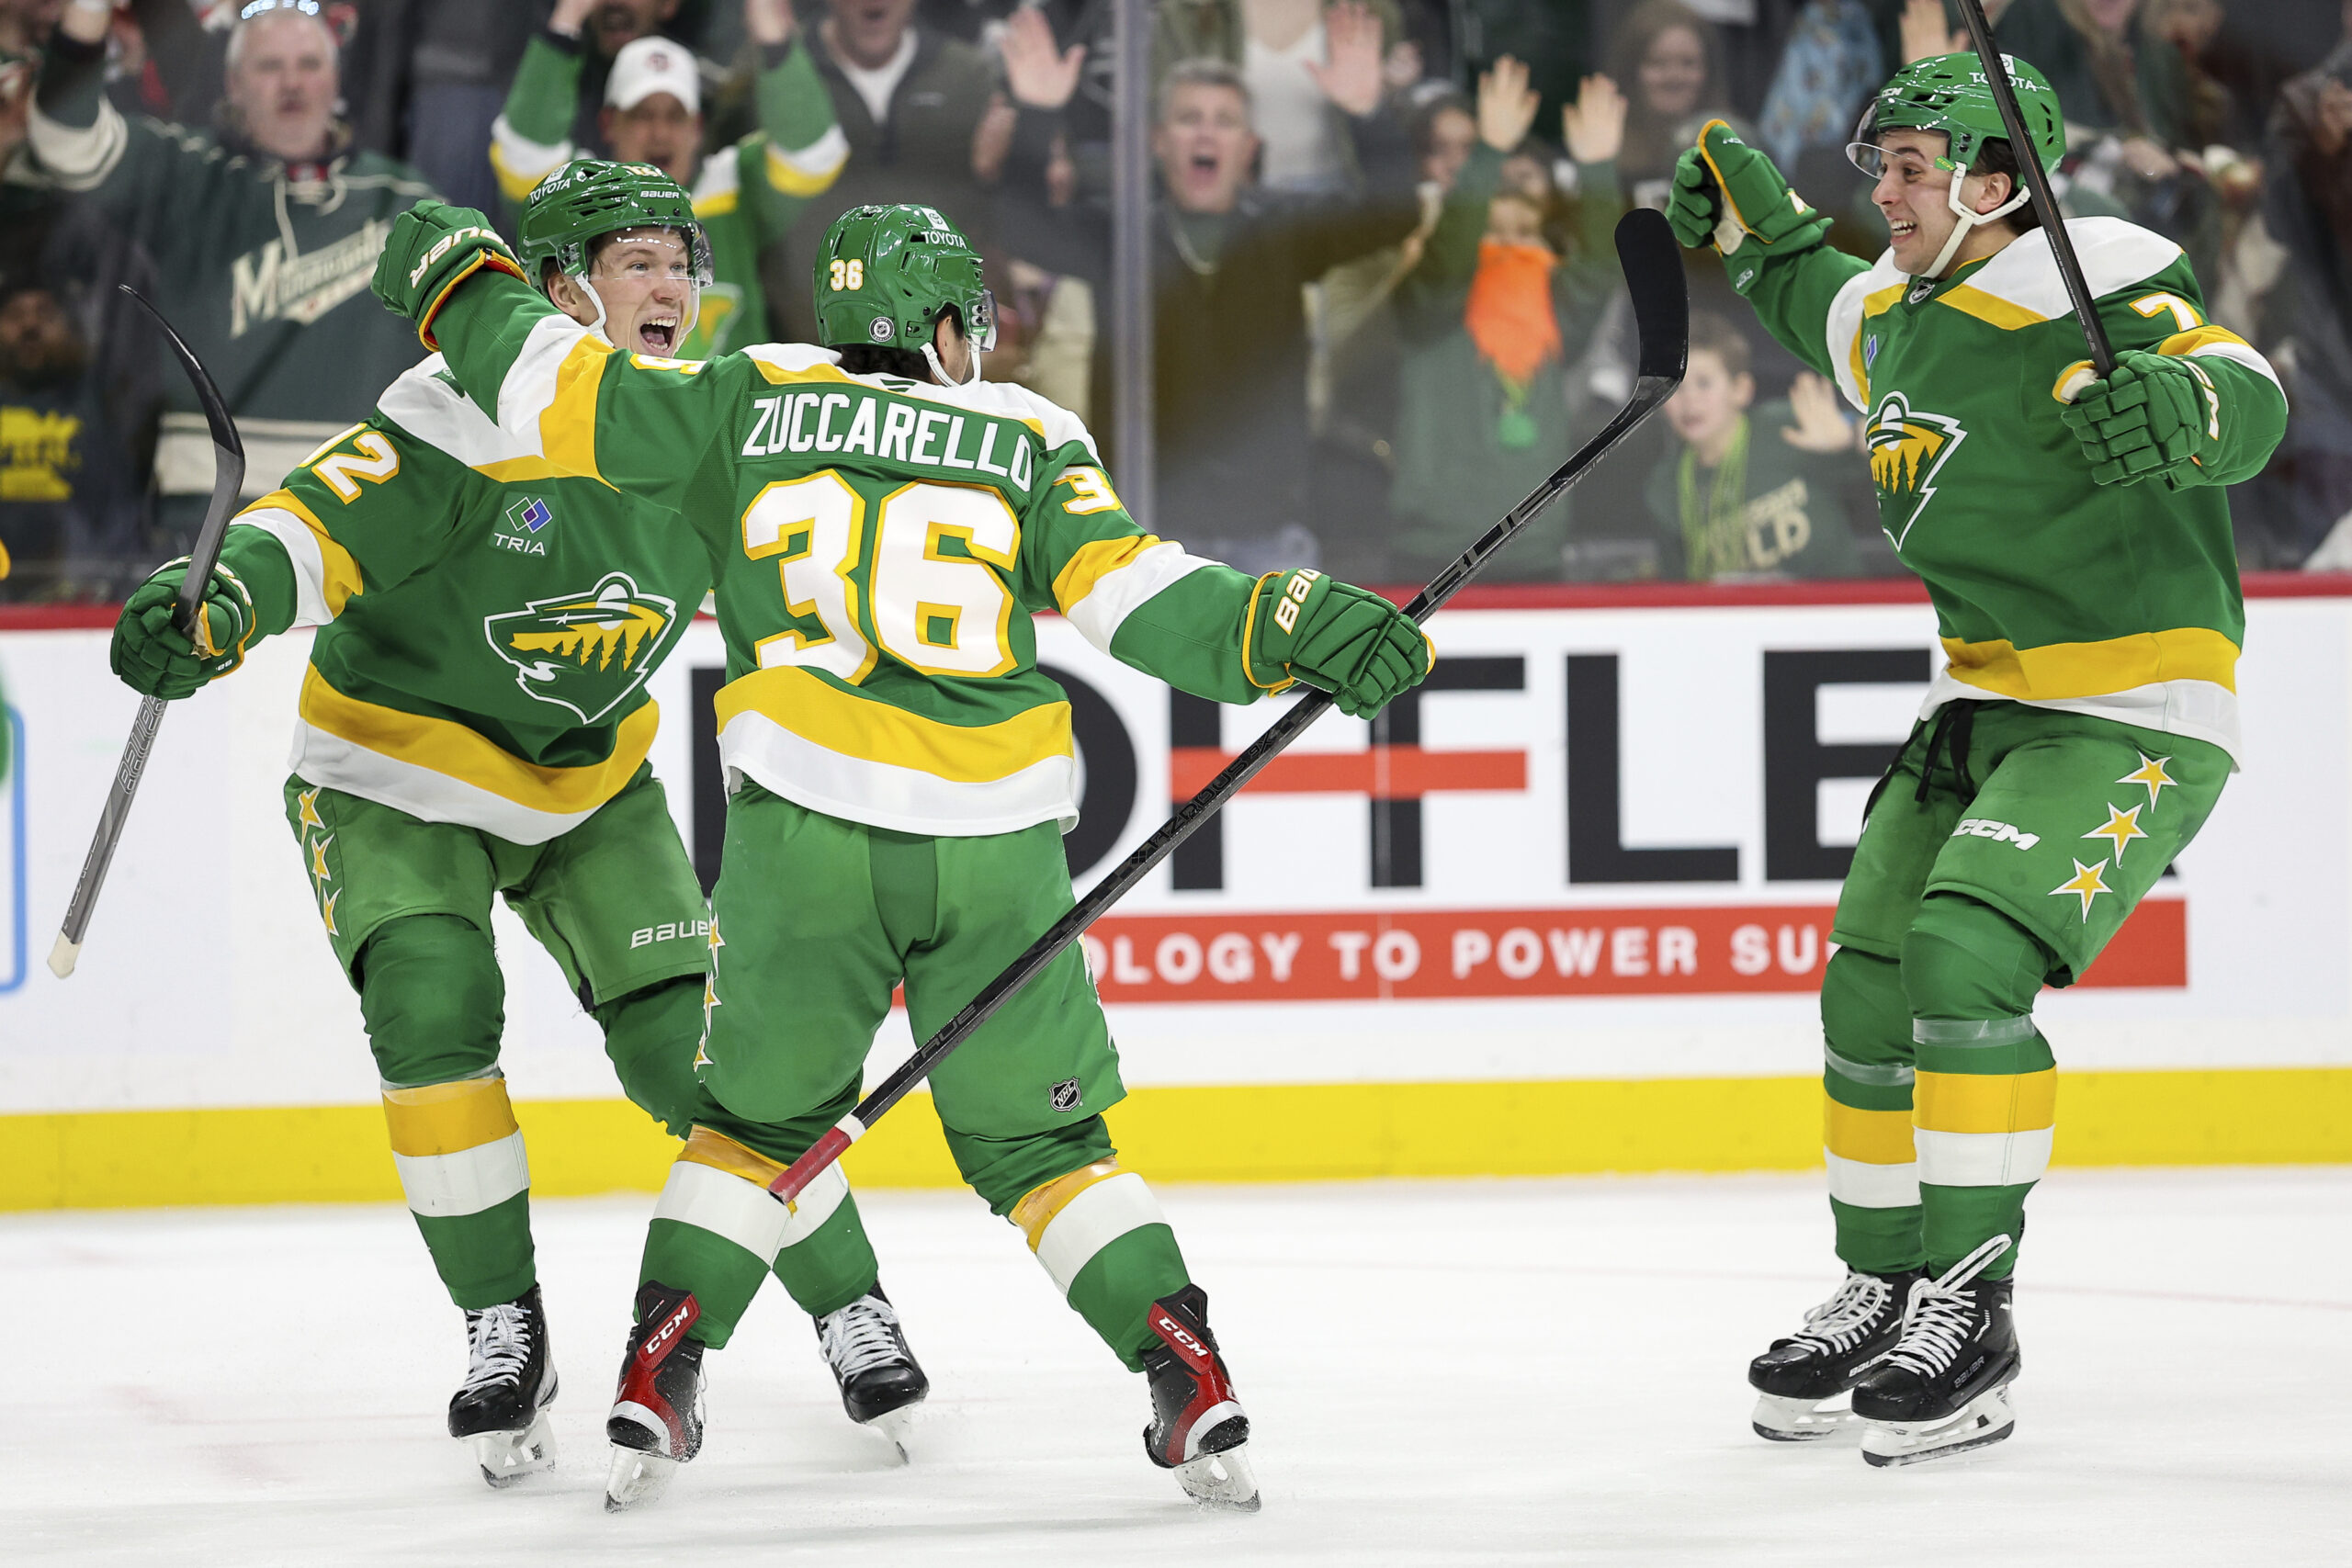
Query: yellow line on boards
{"points": [[1256, 1133]]}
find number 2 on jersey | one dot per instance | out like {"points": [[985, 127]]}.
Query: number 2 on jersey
{"points": [[937, 607]]}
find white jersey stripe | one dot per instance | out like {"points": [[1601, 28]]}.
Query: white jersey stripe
{"points": [[320, 758], [2199, 709], [301, 547], [1118, 594], [885, 795]]}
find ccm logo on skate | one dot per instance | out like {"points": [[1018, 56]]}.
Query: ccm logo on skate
{"points": [[669, 930], [1181, 1339], [1301, 582], [656, 1343], [1999, 833]]}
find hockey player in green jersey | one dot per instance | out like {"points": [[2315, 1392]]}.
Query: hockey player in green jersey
{"points": [[474, 723], [888, 523], [2075, 539]]}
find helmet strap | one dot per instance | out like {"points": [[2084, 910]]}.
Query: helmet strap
{"points": [[1968, 219], [931, 356]]}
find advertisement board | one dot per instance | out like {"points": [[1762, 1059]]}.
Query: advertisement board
{"points": [[1602, 845]]}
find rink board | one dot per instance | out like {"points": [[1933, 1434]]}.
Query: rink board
{"points": [[1567, 914]]}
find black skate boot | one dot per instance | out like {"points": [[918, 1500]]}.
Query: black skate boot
{"points": [[1842, 1339], [656, 1424], [1944, 1389], [1198, 1430], [502, 1408], [879, 1380]]}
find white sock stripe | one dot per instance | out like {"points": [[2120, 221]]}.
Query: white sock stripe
{"points": [[726, 1205], [816, 1203], [1881, 1075], [1092, 1221], [1869, 1186], [1983, 1159], [467, 1182]]}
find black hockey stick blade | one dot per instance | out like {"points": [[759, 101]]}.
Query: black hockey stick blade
{"points": [[228, 479], [2037, 183], [1653, 266]]}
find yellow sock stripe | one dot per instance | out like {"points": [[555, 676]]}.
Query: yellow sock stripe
{"points": [[448, 1118], [1988, 1102], [1873, 1137], [720, 1152], [1040, 1204]]}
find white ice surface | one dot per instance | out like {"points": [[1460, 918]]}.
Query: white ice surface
{"points": [[1527, 1371]]}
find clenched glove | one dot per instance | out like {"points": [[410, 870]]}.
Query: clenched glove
{"points": [[433, 247], [1347, 640], [155, 659], [2156, 415], [1725, 191]]}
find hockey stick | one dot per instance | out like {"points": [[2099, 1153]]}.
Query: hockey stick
{"points": [[228, 478], [2037, 184], [1653, 266]]}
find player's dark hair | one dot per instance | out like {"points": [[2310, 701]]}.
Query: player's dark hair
{"points": [[1997, 157], [887, 359], [1714, 335]]}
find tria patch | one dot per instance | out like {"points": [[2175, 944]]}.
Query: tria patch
{"points": [[585, 652], [1908, 448], [1066, 1095]]}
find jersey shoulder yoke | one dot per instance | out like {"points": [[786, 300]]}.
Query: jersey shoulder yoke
{"points": [[428, 406], [2115, 255]]}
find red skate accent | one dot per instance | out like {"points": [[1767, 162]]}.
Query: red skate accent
{"points": [[637, 1372], [1211, 1388]]}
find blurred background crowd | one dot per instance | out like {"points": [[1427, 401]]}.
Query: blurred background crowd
{"points": [[1384, 299]]}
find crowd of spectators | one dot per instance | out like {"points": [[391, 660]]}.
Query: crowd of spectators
{"points": [[1385, 301]]}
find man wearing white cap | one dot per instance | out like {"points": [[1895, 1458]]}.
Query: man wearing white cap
{"points": [[745, 196]]}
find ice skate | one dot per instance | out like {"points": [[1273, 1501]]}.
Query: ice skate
{"points": [[1944, 1388], [1842, 1339], [656, 1424], [500, 1410], [1198, 1430], [880, 1383]]}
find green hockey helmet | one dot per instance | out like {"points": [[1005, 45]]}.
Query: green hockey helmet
{"points": [[884, 273], [589, 197], [1948, 93]]}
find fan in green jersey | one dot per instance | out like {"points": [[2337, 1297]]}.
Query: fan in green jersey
{"points": [[887, 524], [2075, 537], [474, 725]]}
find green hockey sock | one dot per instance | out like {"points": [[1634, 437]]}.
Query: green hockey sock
{"points": [[485, 1259], [1866, 1083], [1099, 1232], [827, 1261], [460, 1160]]}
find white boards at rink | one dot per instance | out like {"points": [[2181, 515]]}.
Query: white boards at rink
{"points": [[1564, 908]]}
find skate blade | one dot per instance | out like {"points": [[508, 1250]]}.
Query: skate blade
{"points": [[1221, 1480], [898, 1426], [637, 1478], [1783, 1420], [1983, 1421], [507, 1457]]}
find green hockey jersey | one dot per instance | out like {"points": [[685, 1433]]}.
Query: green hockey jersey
{"points": [[746, 194], [881, 545], [2119, 601], [487, 623]]}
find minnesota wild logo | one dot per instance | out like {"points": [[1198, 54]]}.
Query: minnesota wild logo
{"points": [[1908, 449], [586, 652]]}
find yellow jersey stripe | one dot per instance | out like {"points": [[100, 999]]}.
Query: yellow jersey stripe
{"points": [[793, 179], [1990, 309], [1985, 1102], [513, 184], [1872, 1137], [825, 715], [454, 752], [567, 428], [448, 1118], [2062, 669], [1092, 562], [1877, 304], [342, 577], [2189, 342]]}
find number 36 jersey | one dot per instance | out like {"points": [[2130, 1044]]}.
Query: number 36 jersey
{"points": [[879, 548]]}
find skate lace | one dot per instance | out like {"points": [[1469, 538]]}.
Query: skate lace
{"points": [[1839, 1324], [1939, 1315], [860, 1337], [498, 1345]]}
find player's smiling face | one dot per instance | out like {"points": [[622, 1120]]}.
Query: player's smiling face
{"points": [[645, 276], [1913, 196]]}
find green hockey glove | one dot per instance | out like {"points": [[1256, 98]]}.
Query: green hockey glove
{"points": [[1725, 191], [1347, 640], [433, 248], [155, 659], [2156, 415]]}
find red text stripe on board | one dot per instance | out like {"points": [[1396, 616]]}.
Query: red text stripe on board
{"points": [[1384, 772]]}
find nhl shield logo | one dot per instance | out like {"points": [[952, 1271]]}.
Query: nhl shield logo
{"points": [[1066, 1095], [585, 652]]}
